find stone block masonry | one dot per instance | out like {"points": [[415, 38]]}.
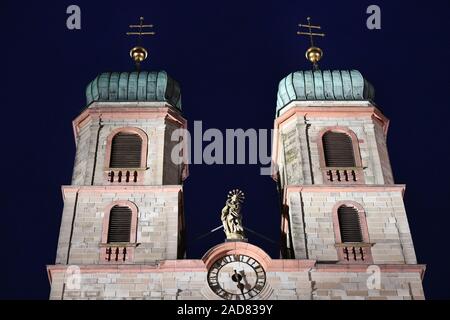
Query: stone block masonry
{"points": [[158, 225], [311, 219], [186, 280], [151, 263]]}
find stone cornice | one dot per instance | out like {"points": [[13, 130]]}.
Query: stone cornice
{"points": [[127, 110], [332, 109], [345, 188], [275, 265], [66, 190]]}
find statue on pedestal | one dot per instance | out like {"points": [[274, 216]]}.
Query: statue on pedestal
{"points": [[231, 216]]}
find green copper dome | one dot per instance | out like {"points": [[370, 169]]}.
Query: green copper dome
{"points": [[337, 85], [134, 86]]}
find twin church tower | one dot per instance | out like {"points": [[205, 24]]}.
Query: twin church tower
{"points": [[345, 232]]}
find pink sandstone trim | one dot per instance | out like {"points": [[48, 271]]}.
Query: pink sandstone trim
{"points": [[243, 248], [362, 220], [347, 131], [327, 112], [383, 121], [141, 133], [355, 147], [110, 113], [345, 188], [163, 266], [267, 263], [175, 119], [331, 112], [82, 123], [199, 266], [363, 224], [118, 189], [134, 219]]}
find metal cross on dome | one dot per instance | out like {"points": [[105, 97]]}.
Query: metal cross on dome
{"points": [[313, 54], [310, 33], [140, 26], [139, 53]]}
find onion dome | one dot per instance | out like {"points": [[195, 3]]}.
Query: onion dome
{"points": [[336, 85], [134, 86]]}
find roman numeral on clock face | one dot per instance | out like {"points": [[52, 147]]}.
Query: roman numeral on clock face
{"points": [[213, 279], [229, 288]]}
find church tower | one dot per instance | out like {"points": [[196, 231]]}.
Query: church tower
{"points": [[124, 207], [125, 203], [340, 205]]}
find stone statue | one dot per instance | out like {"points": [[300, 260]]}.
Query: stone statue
{"points": [[231, 216]]}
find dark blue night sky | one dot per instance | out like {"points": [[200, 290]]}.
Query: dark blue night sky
{"points": [[228, 57]]}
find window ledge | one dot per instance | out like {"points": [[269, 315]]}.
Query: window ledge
{"points": [[354, 244], [119, 244], [342, 168], [126, 169]]}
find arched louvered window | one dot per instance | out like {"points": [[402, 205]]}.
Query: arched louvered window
{"points": [[119, 227], [349, 224], [126, 151], [338, 150]]}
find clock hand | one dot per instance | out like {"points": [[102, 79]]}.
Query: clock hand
{"points": [[236, 277], [241, 287], [244, 279]]}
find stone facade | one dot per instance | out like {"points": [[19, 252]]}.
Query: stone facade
{"points": [[158, 231], [299, 159], [315, 264], [312, 193], [156, 195], [286, 280], [310, 212], [306, 285], [95, 125]]}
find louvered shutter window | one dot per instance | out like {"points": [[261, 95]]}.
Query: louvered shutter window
{"points": [[126, 151], [338, 150], [119, 224], [349, 224]]}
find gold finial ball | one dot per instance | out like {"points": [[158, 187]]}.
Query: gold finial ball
{"points": [[138, 54], [314, 54]]}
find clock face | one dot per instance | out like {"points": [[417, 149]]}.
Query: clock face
{"points": [[236, 277]]}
